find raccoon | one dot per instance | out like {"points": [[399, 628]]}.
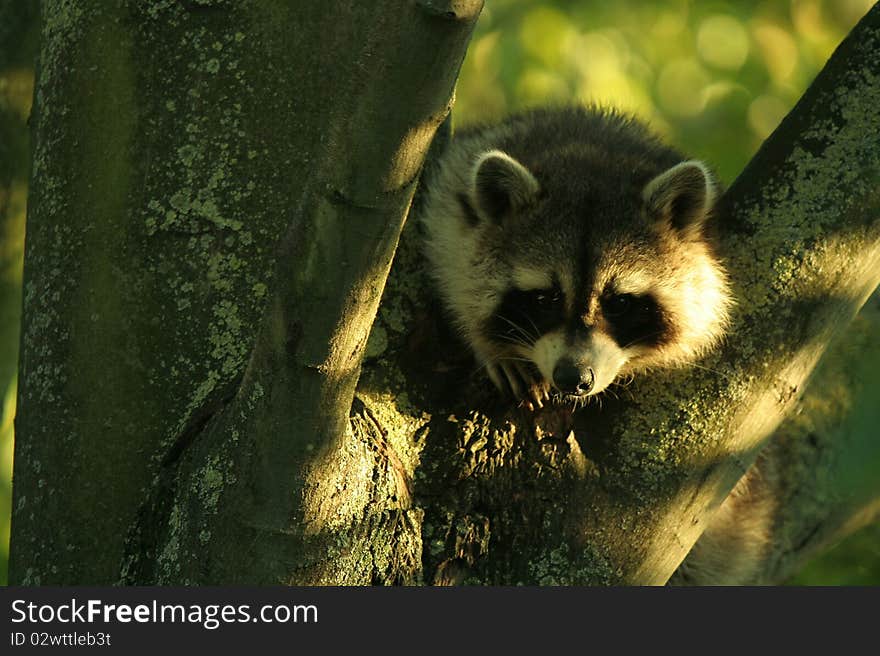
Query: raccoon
{"points": [[570, 248]]}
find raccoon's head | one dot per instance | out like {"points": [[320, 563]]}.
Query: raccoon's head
{"points": [[604, 273]]}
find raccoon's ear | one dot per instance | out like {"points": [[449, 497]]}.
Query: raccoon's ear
{"points": [[683, 196], [502, 185]]}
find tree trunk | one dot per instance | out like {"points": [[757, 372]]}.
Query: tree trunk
{"points": [[176, 145], [187, 417]]}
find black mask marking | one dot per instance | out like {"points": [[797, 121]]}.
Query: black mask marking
{"points": [[635, 320], [526, 315]]}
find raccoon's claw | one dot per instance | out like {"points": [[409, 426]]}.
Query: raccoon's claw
{"points": [[539, 393], [518, 379]]}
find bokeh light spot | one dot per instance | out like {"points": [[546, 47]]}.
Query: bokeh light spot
{"points": [[544, 33], [680, 87], [723, 42], [778, 50]]}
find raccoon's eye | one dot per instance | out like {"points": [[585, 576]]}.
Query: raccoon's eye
{"points": [[548, 297], [525, 315], [618, 304], [635, 319]]}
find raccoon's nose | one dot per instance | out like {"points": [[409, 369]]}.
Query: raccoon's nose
{"points": [[571, 379]]}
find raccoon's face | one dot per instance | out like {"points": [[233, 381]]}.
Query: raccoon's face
{"points": [[580, 340], [600, 280]]}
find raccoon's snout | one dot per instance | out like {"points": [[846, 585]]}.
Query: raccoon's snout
{"points": [[571, 379]]}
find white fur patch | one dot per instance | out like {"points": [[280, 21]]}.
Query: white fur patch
{"points": [[636, 282], [528, 279], [546, 353]]}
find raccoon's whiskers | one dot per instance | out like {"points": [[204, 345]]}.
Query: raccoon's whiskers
{"points": [[516, 341], [531, 338], [622, 387], [710, 370], [535, 327], [625, 381], [496, 360], [491, 362], [689, 364], [643, 338], [513, 359]]}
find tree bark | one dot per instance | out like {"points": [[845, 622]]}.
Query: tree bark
{"points": [[176, 145], [204, 260]]}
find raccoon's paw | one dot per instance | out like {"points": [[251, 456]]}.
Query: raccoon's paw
{"points": [[538, 395], [519, 380]]}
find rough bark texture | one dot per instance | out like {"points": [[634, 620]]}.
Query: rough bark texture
{"points": [[177, 143], [210, 227]]}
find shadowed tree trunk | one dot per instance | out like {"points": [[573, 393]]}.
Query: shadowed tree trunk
{"points": [[183, 152], [217, 193]]}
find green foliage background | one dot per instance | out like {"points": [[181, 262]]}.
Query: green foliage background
{"points": [[714, 78], [18, 47]]}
